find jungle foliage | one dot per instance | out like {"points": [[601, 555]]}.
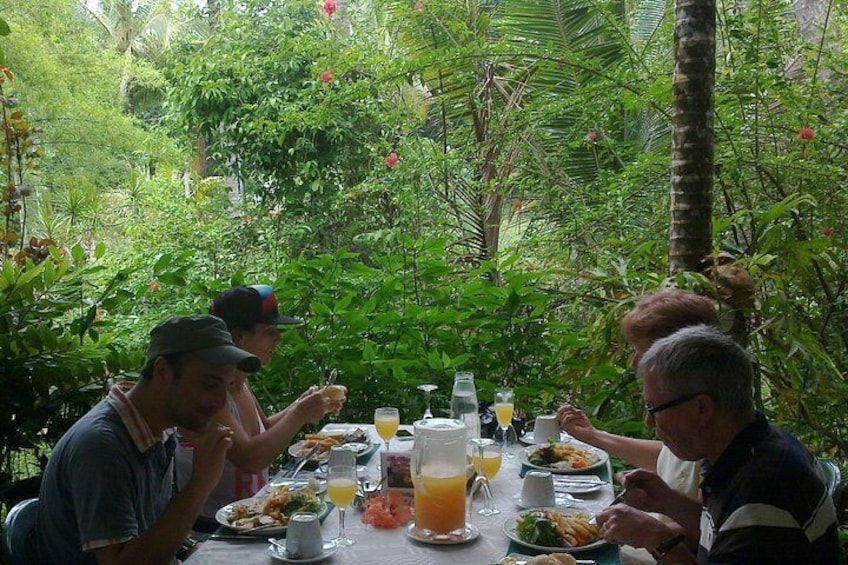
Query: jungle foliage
{"points": [[432, 185]]}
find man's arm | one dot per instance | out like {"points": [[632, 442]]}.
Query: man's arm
{"points": [[161, 542]]}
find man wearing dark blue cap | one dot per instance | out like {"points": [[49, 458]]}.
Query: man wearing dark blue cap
{"points": [[107, 494], [253, 318]]}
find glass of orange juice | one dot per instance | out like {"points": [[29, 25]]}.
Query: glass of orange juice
{"points": [[504, 409], [341, 489], [487, 463], [387, 421]]}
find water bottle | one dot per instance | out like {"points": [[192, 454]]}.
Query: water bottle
{"points": [[464, 403]]}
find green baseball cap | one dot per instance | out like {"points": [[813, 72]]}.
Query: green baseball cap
{"points": [[204, 336]]}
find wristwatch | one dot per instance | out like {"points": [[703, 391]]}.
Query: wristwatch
{"points": [[665, 547], [186, 548]]}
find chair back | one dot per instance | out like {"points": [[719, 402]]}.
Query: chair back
{"points": [[18, 539], [832, 477]]}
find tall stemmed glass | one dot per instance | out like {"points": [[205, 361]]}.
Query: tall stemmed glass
{"points": [[504, 409], [487, 463], [341, 488], [427, 388], [387, 421]]}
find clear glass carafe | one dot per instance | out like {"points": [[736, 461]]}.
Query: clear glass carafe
{"points": [[464, 406]]}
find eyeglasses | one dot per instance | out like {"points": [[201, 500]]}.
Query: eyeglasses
{"points": [[653, 411]]}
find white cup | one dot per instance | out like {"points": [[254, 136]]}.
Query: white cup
{"points": [[340, 455], [538, 489], [546, 428], [303, 537]]}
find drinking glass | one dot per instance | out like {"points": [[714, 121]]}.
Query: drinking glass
{"points": [[504, 408], [427, 388], [487, 463], [387, 421], [341, 489]]}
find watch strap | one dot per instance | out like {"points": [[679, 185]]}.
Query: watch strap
{"points": [[665, 547]]}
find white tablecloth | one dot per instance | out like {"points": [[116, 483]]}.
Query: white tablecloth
{"points": [[375, 546]]}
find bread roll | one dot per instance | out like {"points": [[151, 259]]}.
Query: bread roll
{"points": [[552, 559], [563, 559], [335, 392]]}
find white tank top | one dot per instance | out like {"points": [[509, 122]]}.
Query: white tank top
{"points": [[235, 484]]}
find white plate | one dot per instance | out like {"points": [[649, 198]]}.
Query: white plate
{"points": [[511, 524], [223, 513], [524, 458], [561, 501], [529, 439], [280, 555], [297, 484], [470, 533], [297, 449], [521, 558]]}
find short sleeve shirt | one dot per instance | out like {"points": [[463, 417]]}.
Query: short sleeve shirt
{"points": [[764, 504], [108, 480]]}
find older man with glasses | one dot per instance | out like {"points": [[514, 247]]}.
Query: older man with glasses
{"points": [[763, 502]]}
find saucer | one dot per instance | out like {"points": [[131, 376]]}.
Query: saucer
{"points": [[561, 500], [469, 533], [280, 555]]}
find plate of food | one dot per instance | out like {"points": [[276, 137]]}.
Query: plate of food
{"points": [[356, 440], [554, 530], [269, 516], [563, 457], [543, 559]]}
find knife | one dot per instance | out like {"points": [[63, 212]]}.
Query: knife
{"points": [[304, 461], [331, 378]]}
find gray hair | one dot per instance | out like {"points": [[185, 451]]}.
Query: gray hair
{"points": [[701, 359]]}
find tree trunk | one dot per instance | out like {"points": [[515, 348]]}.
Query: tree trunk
{"points": [[690, 236]]}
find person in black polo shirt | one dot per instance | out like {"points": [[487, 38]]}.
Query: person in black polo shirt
{"points": [[763, 502]]}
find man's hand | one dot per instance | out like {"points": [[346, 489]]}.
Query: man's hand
{"points": [[575, 423], [646, 491], [310, 406], [210, 452], [624, 525]]}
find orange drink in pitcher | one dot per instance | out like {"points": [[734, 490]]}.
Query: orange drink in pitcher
{"points": [[439, 502]]}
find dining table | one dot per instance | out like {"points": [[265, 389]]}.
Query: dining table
{"points": [[393, 546]]}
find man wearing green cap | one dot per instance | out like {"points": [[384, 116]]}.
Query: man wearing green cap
{"points": [[108, 491]]}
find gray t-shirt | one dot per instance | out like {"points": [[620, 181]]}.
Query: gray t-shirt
{"points": [[99, 488]]}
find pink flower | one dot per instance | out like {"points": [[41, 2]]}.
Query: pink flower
{"points": [[419, 6], [592, 136], [827, 232], [806, 133], [392, 159], [329, 8], [154, 285], [326, 77]]}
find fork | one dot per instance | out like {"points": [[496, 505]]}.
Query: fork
{"points": [[617, 500]]}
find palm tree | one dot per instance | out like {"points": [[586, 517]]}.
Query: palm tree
{"points": [[690, 235], [139, 30]]}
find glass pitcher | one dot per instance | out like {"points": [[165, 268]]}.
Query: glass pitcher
{"points": [[439, 476], [464, 405]]}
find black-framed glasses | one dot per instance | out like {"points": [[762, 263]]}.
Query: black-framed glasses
{"points": [[653, 411]]}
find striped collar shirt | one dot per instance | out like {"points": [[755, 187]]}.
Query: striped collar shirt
{"points": [[135, 423]]}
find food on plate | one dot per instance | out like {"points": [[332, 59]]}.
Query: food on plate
{"points": [[550, 528], [563, 456], [544, 559], [388, 512], [328, 441], [274, 510]]}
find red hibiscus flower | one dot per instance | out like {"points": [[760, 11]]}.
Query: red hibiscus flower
{"points": [[592, 136], [392, 159], [329, 8], [154, 285], [419, 6], [326, 77], [806, 133], [827, 232]]}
